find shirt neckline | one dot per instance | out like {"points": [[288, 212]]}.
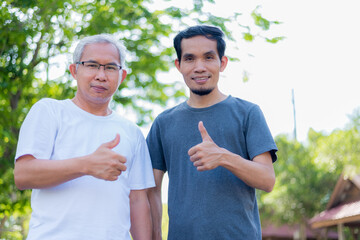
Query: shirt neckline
{"points": [[187, 107], [82, 111]]}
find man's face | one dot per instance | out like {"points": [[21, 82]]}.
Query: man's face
{"points": [[97, 86], [200, 64]]}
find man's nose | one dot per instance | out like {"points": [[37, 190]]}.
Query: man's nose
{"points": [[199, 66], [100, 73]]}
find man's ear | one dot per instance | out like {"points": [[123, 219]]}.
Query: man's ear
{"points": [[223, 63], [123, 76], [72, 69], [177, 64]]}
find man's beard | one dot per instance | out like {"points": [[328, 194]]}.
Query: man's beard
{"points": [[201, 92]]}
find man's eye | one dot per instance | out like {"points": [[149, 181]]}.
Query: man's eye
{"points": [[188, 59], [92, 65], [209, 57], [110, 67]]}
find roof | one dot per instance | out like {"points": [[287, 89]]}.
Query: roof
{"points": [[345, 213], [343, 206], [288, 232], [341, 189], [275, 231]]}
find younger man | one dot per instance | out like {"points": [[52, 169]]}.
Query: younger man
{"points": [[213, 171]]}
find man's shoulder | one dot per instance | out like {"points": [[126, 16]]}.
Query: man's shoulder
{"points": [[171, 112], [239, 105], [50, 102], [47, 104], [241, 102]]}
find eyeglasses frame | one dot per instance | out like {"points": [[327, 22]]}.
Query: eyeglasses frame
{"points": [[83, 62]]}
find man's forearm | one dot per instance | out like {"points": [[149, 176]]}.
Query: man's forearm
{"points": [[156, 212], [140, 215], [34, 173], [154, 196], [104, 164], [258, 173]]}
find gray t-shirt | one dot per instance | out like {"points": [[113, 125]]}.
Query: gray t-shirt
{"points": [[212, 204]]}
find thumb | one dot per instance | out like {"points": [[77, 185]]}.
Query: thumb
{"points": [[113, 143], [204, 134]]}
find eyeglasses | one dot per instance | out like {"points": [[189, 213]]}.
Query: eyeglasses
{"points": [[94, 66]]}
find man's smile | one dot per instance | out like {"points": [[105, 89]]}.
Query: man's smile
{"points": [[201, 79]]}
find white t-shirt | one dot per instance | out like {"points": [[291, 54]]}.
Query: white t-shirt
{"points": [[84, 208]]}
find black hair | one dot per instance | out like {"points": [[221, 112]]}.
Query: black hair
{"points": [[209, 32]]}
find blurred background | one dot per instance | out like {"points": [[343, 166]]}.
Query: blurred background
{"points": [[298, 60]]}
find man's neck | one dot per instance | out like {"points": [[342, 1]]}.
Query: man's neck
{"points": [[197, 101], [98, 109]]}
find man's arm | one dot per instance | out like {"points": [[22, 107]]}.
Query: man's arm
{"points": [[258, 173], [140, 216], [154, 195], [104, 163]]}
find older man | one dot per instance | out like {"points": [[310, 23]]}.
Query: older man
{"points": [[89, 168]]}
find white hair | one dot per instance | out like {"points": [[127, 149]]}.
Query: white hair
{"points": [[100, 38]]}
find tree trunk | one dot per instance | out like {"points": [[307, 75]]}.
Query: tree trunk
{"points": [[2, 226], [302, 230]]}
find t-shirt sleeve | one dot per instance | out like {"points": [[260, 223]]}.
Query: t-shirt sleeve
{"points": [[141, 174], [155, 147], [258, 136], [38, 132]]}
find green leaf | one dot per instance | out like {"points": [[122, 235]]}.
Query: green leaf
{"points": [[275, 39], [259, 20], [248, 37]]}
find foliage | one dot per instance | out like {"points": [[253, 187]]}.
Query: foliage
{"points": [[307, 173], [299, 191], [339, 149], [37, 35]]}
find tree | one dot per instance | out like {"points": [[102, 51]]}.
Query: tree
{"points": [[299, 191], [338, 150], [307, 173], [34, 33]]}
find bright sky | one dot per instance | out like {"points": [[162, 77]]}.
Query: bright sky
{"points": [[319, 59]]}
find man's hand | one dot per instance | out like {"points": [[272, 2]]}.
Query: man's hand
{"points": [[258, 173], [206, 155], [106, 164]]}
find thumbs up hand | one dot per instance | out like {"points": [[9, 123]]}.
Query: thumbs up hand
{"points": [[206, 155], [204, 134], [113, 143], [104, 163]]}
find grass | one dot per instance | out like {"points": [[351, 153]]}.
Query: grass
{"points": [[165, 222]]}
